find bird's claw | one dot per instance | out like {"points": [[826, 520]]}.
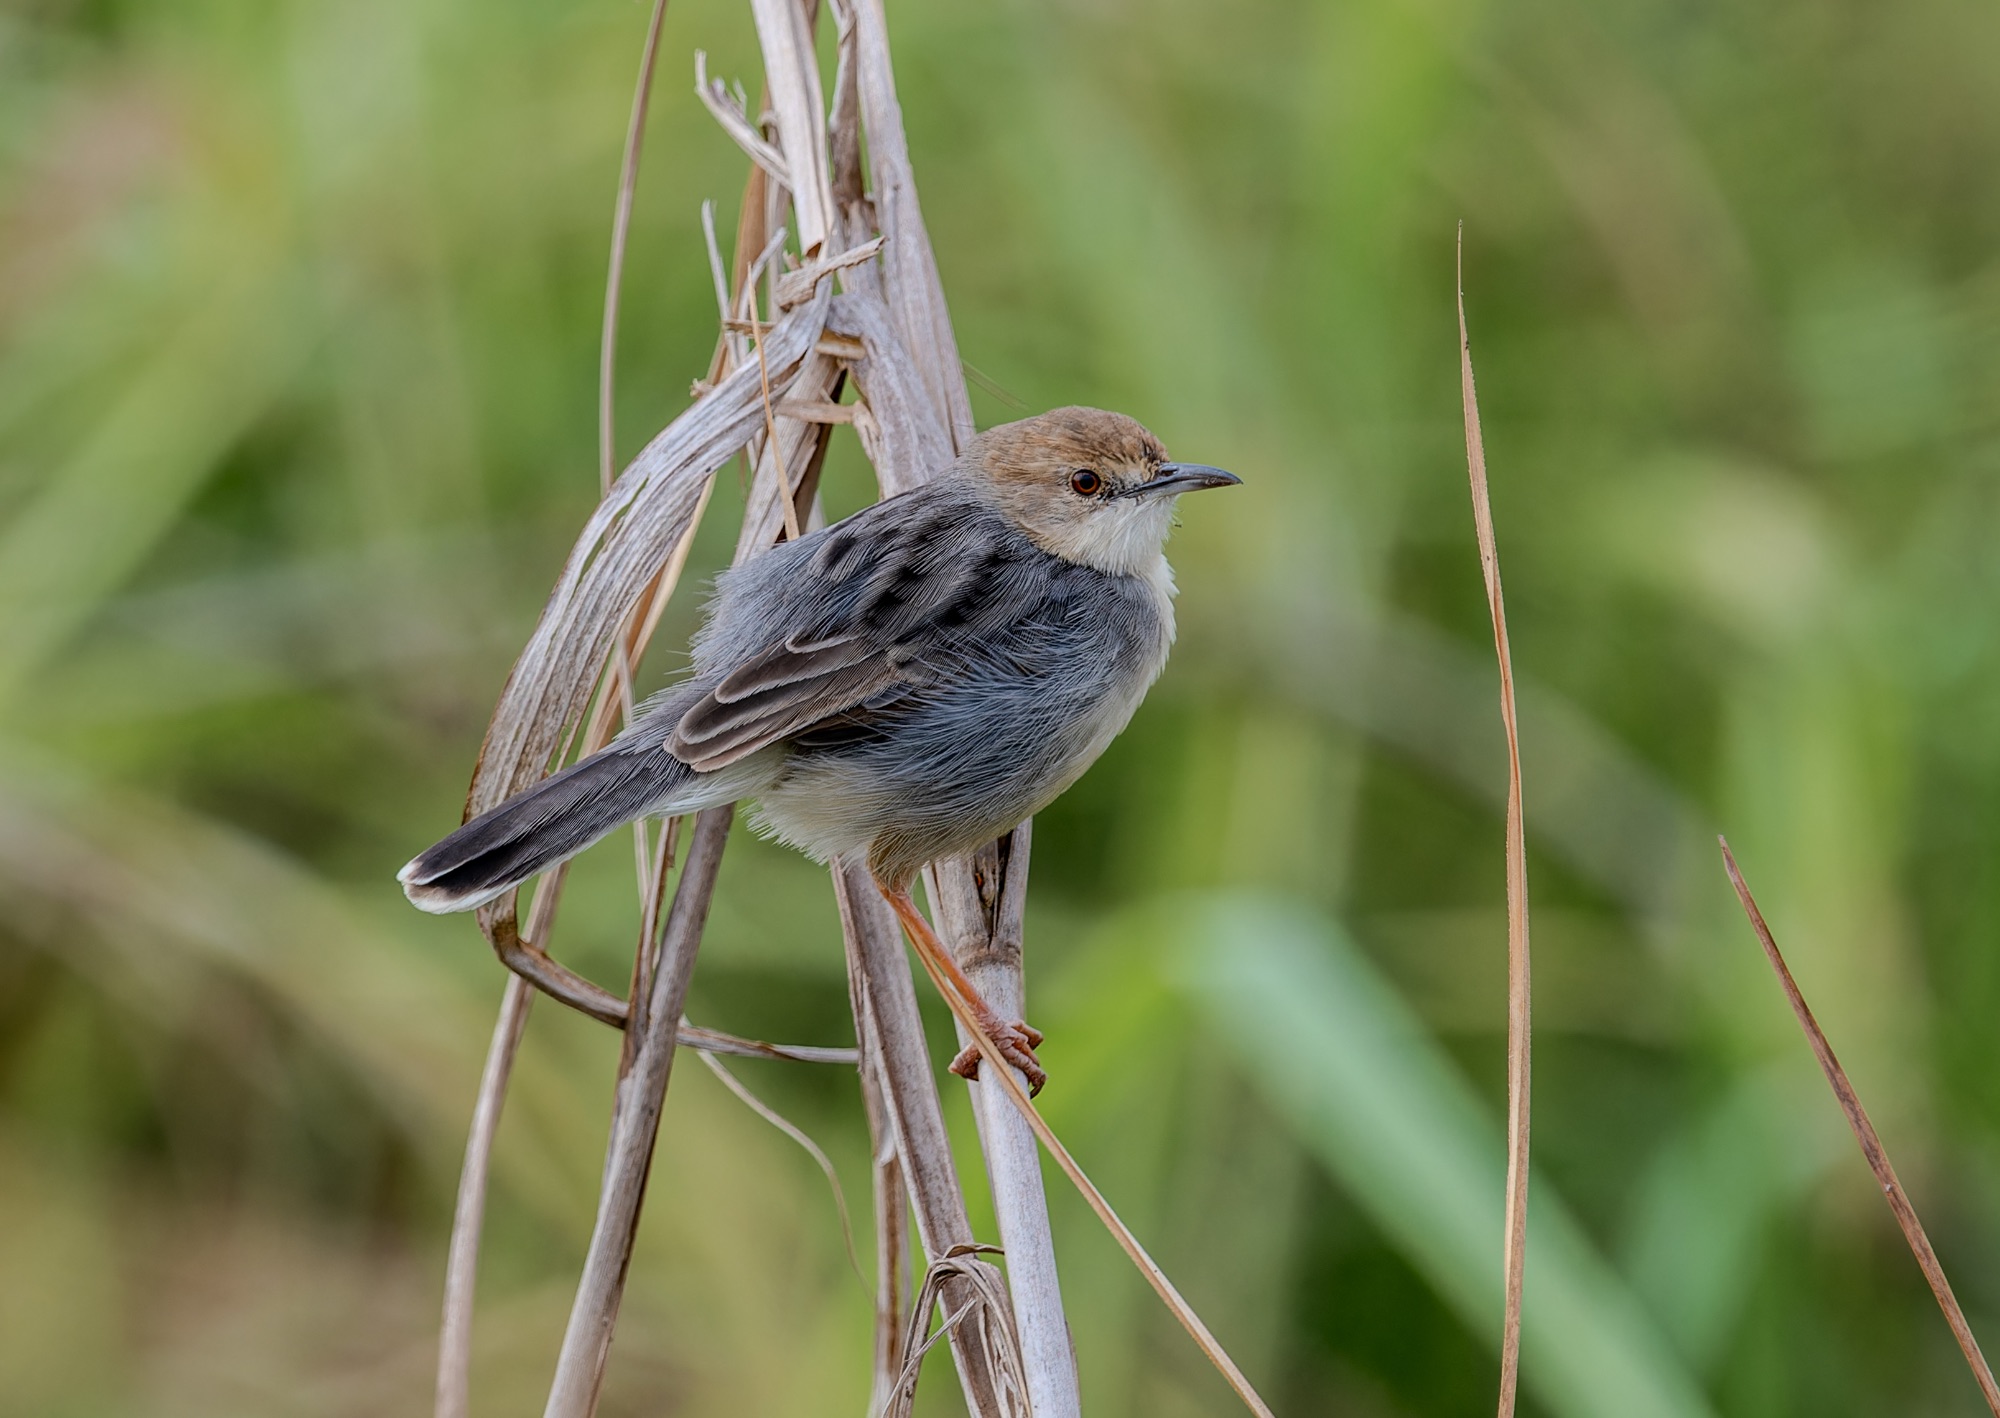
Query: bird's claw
{"points": [[1016, 1042]]}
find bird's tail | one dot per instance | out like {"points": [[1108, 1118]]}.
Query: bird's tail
{"points": [[549, 823]]}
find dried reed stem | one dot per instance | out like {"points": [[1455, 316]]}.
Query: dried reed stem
{"points": [[621, 225], [791, 77], [979, 903], [893, 1035], [469, 1214], [891, 1207], [635, 1122], [1871, 1144], [910, 273], [461, 1267], [607, 339], [995, 1066], [454, 1381], [1514, 1251], [714, 1041], [921, 416], [960, 1264]]}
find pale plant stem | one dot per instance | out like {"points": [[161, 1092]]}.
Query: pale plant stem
{"points": [[1520, 1031], [995, 1064], [607, 352], [714, 1041], [979, 902], [892, 1233], [454, 1376], [635, 1121], [786, 503], [645, 954], [628, 184], [893, 1033], [910, 272], [984, 923], [886, 1186]]}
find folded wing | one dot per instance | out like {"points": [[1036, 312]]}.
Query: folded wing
{"points": [[896, 608]]}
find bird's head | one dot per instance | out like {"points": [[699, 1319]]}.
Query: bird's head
{"points": [[1087, 485]]}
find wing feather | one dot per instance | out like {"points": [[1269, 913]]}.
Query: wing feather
{"points": [[791, 663], [714, 735], [927, 599]]}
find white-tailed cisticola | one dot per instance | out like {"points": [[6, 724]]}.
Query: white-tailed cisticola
{"points": [[908, 684]]}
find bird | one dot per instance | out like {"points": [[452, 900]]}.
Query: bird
{"points": [[906, 684]]}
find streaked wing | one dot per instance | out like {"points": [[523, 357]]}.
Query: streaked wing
{"points": [[877, 612], [870, 719], [786, 689]]}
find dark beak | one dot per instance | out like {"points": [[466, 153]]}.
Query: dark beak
{"points": [[1176, 478]]}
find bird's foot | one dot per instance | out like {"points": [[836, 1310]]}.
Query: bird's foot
{"points": [[1017, 1043]]}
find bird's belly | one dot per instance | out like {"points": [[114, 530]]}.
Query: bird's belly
{"points": [[962, 770]]}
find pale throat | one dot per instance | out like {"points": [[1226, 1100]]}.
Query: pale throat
{"points": [[1124, 538]]}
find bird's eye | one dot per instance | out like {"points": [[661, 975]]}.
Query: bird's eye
{"points": [[1085, 482]]}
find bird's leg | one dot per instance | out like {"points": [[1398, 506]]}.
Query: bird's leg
{"points": [[965, 1063], [1016, 1041]]}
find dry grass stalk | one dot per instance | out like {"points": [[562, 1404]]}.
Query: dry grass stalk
{"points": [[791, 74], [979, 913], [797, 1134], [995, 1067], [621, 225], [730, 111], [892, 1257], [454, 1376], [886, 1190], [714, 1041], [919, 417], [455, 1341], [957, 1265], [461, 1268], [645, 953], [893, 1037], [1514, 1253], [1871, 1143], [910, 274], [641, 1088], [635, 1122], [453, 1396]]}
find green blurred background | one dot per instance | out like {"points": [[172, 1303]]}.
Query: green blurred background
{"points": [[298, 320]]}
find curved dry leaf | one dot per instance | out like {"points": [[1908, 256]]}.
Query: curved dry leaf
{"points": [[628, 538], [729, 112]]}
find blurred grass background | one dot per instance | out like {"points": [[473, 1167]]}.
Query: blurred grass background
{"points": [[298, 317]]}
